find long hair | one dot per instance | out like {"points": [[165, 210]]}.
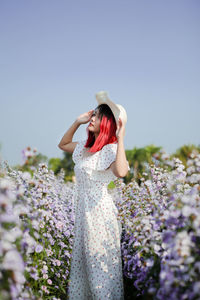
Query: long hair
{"points": [[108, 127]]}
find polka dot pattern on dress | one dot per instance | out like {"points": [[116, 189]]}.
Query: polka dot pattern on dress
{"points": [[96, 265]]}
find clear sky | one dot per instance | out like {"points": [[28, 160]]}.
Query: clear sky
{"points": [[55, 55]]}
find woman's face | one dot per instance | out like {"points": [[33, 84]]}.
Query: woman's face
{"points": [[95, 121]]}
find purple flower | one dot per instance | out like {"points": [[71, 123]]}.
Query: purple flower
{"points": [[38, 248], [167, 236]]}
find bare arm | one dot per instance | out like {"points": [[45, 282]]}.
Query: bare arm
{"points": [[120, 165], [66, 143]]}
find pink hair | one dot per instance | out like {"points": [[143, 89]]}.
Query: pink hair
{"points": [[107, 134]]}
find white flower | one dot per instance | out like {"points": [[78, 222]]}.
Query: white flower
{"points": [[12, 234], [183, 243], [6, 246], [30, 241], [185, 199], [19, 277], [6, 184], [187, 210], [149, 262], [58, 263], [196, 222], [59, 225], [26, 175], [148, 183], [35, 224], [28, 153], [13, 261], [49, 281], [156, 247]]}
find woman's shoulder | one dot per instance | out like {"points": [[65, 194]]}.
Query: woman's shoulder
{"points": [[107, 156]]}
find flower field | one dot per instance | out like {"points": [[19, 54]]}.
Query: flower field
{"points": [[160, 239]]}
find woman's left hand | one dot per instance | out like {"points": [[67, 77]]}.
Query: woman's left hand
{"points": [[120, 129]]}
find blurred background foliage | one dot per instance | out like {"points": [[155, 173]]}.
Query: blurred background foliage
{"points": [[139, 161]]}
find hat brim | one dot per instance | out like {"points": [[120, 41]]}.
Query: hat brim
{"points": [[117, 110]]}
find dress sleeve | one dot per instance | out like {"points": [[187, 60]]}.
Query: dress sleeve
{"points": [[78, 151], [107, 156]]}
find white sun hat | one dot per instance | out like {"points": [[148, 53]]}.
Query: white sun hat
{"points": [[117, 109]]}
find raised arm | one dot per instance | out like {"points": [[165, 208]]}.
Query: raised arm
{"points": [[120, 165], [66, 143]]}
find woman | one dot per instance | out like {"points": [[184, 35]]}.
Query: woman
{"points": [[96, 266]]}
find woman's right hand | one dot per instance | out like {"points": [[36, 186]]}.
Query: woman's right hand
{"points": [[85, 117]]}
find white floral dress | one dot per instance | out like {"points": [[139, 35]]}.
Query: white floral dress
{"points": [[96, 265]]}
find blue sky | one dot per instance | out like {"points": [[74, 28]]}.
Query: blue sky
{"points": [[55, 55]]}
